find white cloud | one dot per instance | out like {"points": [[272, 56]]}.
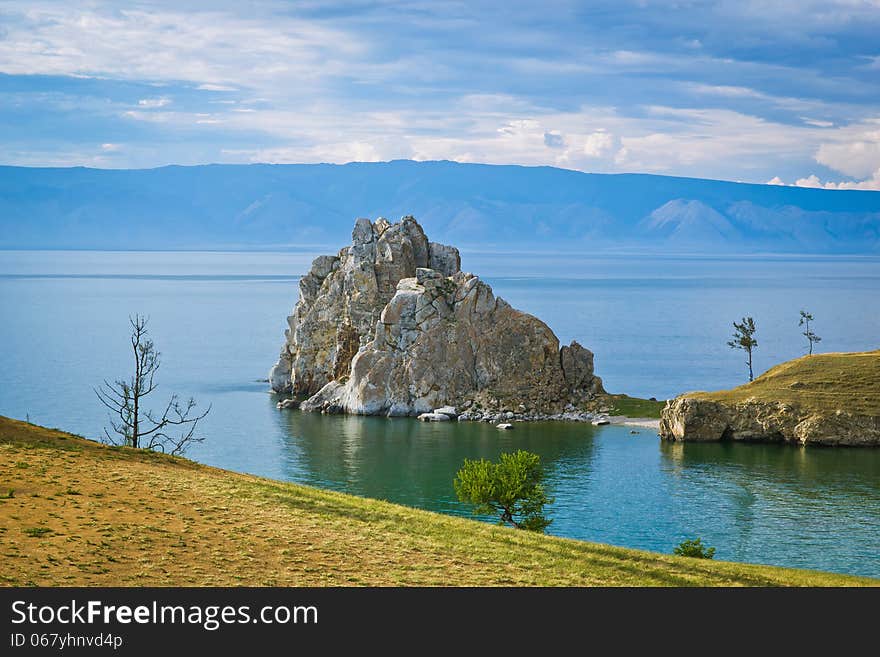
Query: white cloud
{"points": [[216, 50], [810, 181], [154, 102], [519, 127], [287, 65], [726, 91], [697, 142], [598, 144], [633, 58], [817, 122], [110, 148], [151, 117], [854, 150], [215, 87], [357, 151], [871, 183]]}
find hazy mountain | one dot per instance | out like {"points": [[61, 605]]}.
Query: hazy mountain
{"points": [[471, 205]]}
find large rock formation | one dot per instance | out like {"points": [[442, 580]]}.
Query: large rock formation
{"points": [[342, 297], [391, 326]]}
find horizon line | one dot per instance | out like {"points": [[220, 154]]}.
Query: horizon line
{"points": [[419, 162]]}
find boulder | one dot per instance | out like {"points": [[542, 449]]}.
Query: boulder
{"points": [[444, 259], [504, 426], [434, 417]]}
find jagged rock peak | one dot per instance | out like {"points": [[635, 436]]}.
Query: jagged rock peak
{"points": [[342, 297], [392, 326]]}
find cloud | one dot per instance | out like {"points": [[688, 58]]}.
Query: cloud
{"points": [[150, 117], [854, 151], [356, 151], [553, 140], [519, 127], [110, 148], [154, 102], [762, 96], [216, 50], [598, 144], [726, 91], [872, 183], [693, 141], [810, 181], [215, 87], [817, 122]]}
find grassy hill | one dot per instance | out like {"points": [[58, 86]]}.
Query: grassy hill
{"points": [[822, 382], [75, 512]]}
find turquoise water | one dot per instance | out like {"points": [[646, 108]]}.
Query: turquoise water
{"points": [[657, 325]]}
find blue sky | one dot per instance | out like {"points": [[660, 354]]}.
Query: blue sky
{"points": [[782, 91]]}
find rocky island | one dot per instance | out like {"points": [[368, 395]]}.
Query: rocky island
{"points": [[392, 326], [824, 399]]}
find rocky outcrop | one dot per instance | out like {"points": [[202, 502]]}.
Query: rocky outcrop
{"points": [[342, 297], [391, 326], [695, 419]]}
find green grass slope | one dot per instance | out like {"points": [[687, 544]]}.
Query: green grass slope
{"points": [[821, 382], [77, 513]]}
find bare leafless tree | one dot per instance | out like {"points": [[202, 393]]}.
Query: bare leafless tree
{"points": [[171, 431]]}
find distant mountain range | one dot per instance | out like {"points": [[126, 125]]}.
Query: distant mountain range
{"points": [[470, 205]]}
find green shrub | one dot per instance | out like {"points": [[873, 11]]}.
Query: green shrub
{"points": [[694, 549], [510, 488]]}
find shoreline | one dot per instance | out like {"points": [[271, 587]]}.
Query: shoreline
{"points": [[449, 413], [646, 422], [494, 418]]}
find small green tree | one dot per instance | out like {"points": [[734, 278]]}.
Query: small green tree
{"points": [[811, 337], [744, 338], [694, 549], [511, 488]]}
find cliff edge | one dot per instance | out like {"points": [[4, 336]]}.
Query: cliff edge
{"points": [[392, 326], [824, 399]]}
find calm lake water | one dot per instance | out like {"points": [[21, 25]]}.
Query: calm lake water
{"points": [[657, 325]]}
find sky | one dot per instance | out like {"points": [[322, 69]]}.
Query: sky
{"points": [[780, 92]]}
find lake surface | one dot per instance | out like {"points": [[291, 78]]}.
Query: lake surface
{"points": [[657, 325]]}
